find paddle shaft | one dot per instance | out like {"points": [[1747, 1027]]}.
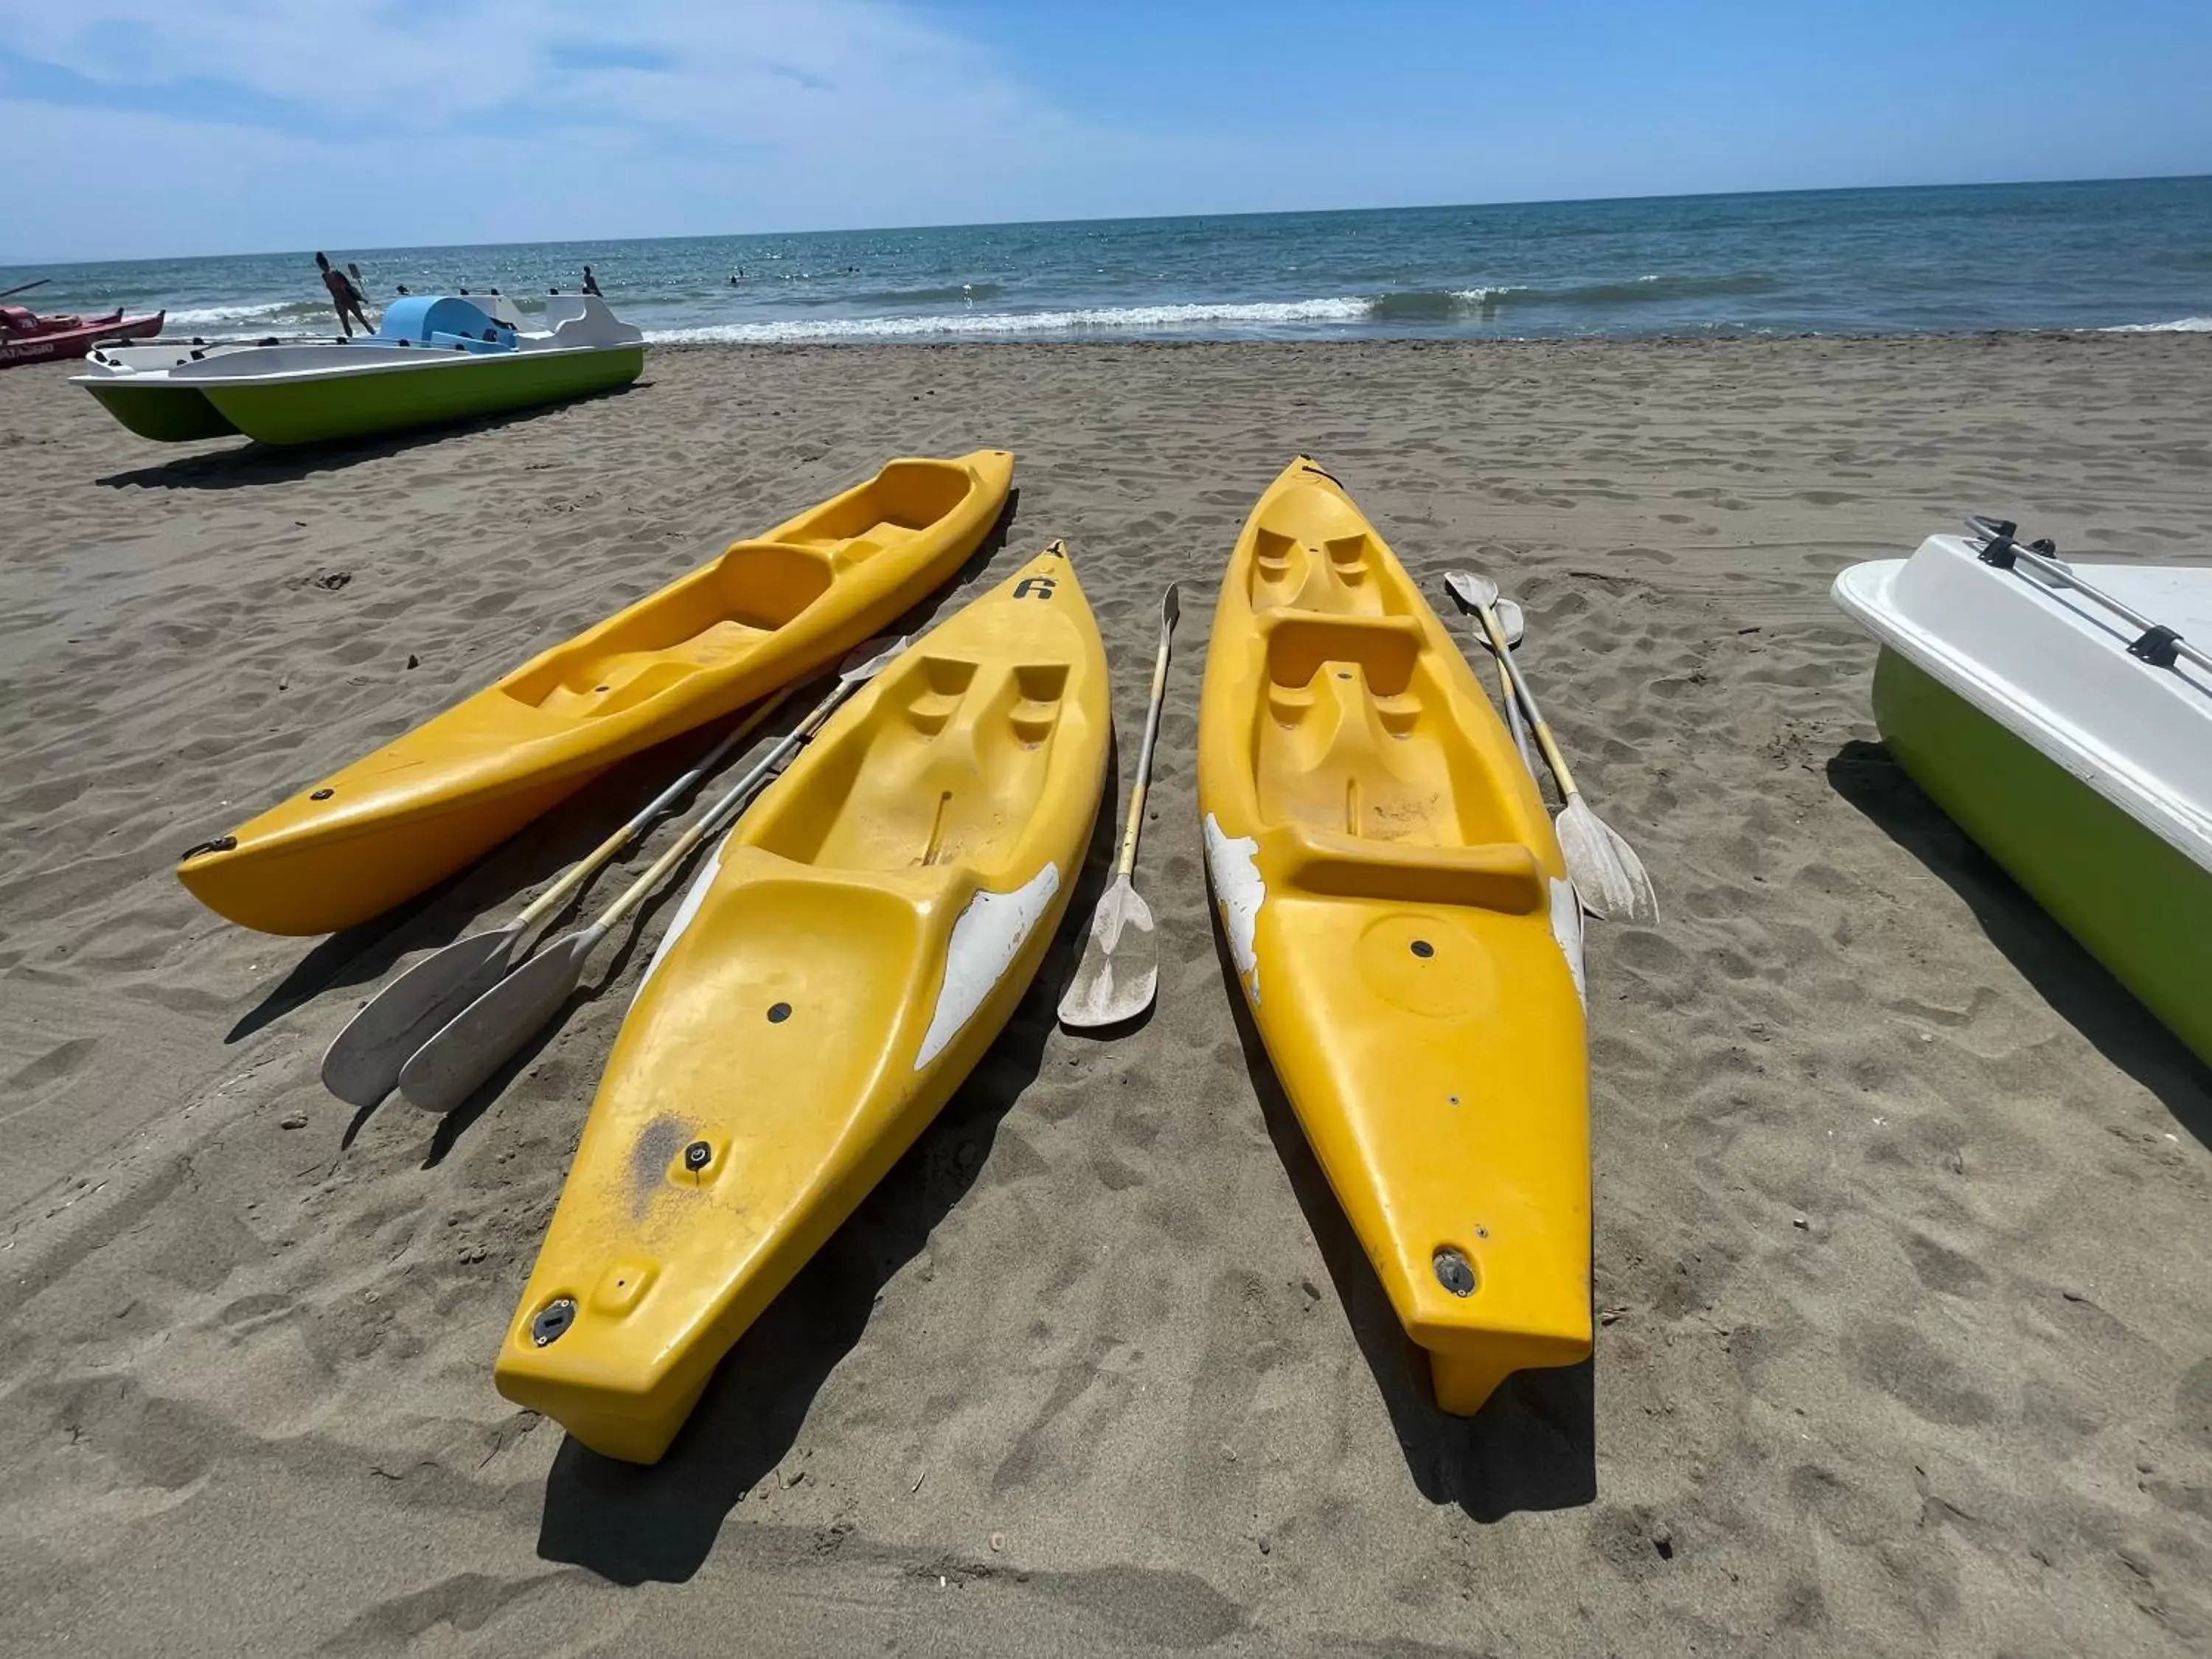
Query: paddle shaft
{"points": [[1505, 684], [550, 900], [1552, 757], [1127, 862], [726, 807]]}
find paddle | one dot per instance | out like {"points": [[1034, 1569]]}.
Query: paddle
{"points": [[360, 285], [480, 1039], [23, 288], [1606, 874], [1121, 966], [1510, 619], [362, 1063]]}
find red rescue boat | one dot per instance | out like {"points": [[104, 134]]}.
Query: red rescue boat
{"points": [[28, 338]]}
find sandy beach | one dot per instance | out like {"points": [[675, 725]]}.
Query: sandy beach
{"points": [[1903, 1208]]}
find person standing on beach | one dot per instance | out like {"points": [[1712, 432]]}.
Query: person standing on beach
{"points": [[591, 283], [345, 296]]}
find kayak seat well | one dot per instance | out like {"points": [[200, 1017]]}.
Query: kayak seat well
{"points": [[908, 495], [947, 768], [1312, 552], [1376, 796], [706, 621], [712, 618]]}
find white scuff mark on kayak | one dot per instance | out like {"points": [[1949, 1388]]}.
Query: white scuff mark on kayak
{"points": [[985, 941], [685, 913], [1567, 928], [1235, 867]]}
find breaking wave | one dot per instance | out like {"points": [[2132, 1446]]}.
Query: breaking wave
{"points": [[1103, 320], [1440, 307], [2179, 325], [1410, 307], [196, 316]]}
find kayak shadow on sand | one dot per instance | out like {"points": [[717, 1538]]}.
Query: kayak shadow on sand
{"points": [[240, 466], [1533, 1446], [635, 1524], [2077, 987]]}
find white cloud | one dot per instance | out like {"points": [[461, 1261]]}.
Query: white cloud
{"points": [[275, 122]]}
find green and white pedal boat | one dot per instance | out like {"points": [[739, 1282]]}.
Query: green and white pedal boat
{"points": [[2062, 716], [431, 360]]}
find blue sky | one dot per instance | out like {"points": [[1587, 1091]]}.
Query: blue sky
{"points": [[148, 127]]}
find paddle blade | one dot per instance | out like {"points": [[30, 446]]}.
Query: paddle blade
{"points": [[1120, 967], [1471, 588], [1603, 868], [484, 1036], [870, 657], [361, 1065], [1511, 621]]}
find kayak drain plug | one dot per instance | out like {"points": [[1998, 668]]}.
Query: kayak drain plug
{"points": [[779, 1013], [698, 1155], [1423, 949], [553, 1319], [1454, 1272], [322, 795]]}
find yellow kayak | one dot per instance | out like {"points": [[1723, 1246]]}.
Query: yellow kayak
{"points": [[1401, 920], [843, 962], [766, 613]]}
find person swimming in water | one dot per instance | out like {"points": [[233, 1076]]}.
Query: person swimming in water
{"points": [[344, 296]]}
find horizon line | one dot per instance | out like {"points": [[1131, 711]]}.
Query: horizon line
{"points": [[11, 262]]}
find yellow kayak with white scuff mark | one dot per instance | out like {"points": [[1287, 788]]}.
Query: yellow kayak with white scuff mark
{"points": [[839, 966], [1401, 923]]}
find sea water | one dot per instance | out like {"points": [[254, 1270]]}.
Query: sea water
{"points": [[2127, 254]]}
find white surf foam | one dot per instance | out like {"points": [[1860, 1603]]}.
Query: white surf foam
{"points": [[2179, 326], [1100, 319], [235, 314]]}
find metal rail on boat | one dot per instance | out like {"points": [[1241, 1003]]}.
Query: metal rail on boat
{"points": [[2158, 645]]}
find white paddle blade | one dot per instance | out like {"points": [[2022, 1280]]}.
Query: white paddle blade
{"points": [[1511, 621], [484, 1036], [1471, 589], [1120, 971], [870, 657], [361, 1065], [1603, 868]]}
